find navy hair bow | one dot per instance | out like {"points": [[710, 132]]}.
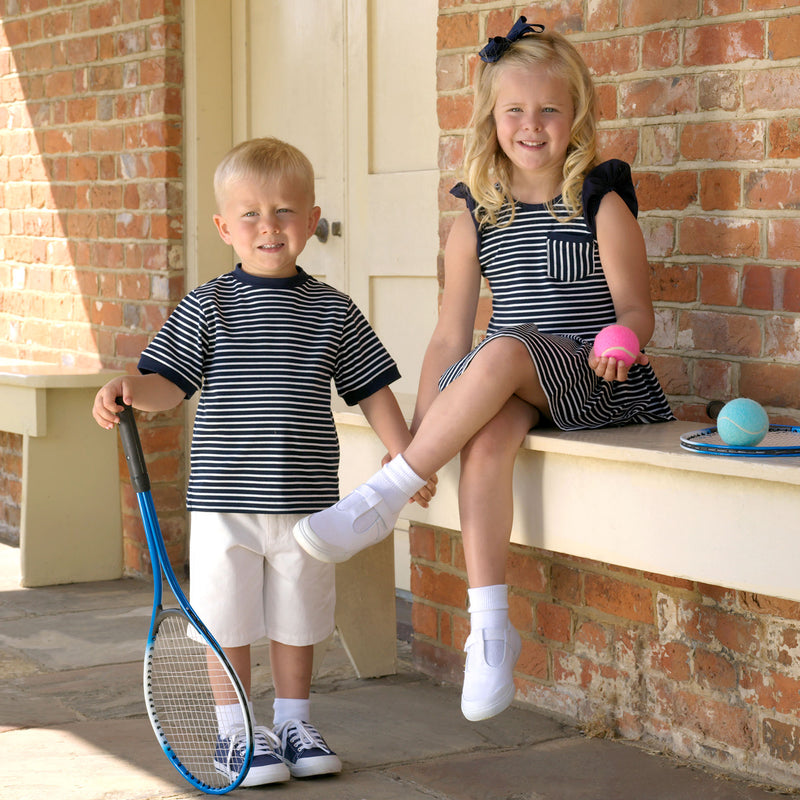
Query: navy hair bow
{"points": [[498, 45]]}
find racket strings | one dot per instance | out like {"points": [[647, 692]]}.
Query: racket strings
{"points": [[773, 438], [182, 699]]}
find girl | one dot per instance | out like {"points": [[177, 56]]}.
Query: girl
{"points": [[555, 235]]}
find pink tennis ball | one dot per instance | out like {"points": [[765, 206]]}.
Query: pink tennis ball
{"points": [[617, 341]]}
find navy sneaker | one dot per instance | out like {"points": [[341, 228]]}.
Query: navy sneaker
{"points": [[266, 766], [304, 751]]}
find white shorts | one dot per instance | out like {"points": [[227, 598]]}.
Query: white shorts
{"points": [[250, 579]]}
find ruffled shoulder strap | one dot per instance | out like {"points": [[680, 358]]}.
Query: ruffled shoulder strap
{"points": [[461, 190], [610, 176]]}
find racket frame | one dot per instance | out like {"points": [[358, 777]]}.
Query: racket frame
{"points": [[693, 441], [134, 456]]}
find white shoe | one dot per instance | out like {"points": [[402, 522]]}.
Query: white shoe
{"points": [[488, 690], [356, 522]]}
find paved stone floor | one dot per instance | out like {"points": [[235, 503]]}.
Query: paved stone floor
{"points": [[73, 725]]}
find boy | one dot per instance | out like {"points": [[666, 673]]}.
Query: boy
{"points": [[263, 343]]}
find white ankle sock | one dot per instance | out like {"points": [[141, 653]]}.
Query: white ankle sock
{"points": [[396, 482], [229, 718], [286, 708], [488, 608]]}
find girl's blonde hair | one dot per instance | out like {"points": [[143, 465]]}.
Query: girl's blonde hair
{"points": [[263, 159], [487, 170]]}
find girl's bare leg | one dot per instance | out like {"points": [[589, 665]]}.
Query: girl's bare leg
{"points": [[486, 507], [485, 491], [501, 370]]}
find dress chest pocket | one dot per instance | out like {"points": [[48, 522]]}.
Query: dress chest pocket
{"points": [[570, 255]]}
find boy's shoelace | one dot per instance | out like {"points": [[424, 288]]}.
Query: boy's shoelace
{"points": [[265, 742], [302, 736]]}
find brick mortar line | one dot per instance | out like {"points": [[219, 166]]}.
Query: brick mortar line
{"points": [[100, 61], [72, 5], [743, 65], [483, 10]]}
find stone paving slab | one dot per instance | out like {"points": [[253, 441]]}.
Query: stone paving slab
{"points": [[73, 724]]}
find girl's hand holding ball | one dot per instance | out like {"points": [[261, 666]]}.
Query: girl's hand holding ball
{"points": [[617, 341], [616, 349]]}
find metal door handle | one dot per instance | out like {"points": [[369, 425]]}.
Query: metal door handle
{"points": [[323, 229]]}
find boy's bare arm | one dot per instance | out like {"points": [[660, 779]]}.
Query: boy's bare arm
{"points": [[386, 419], [146, 392]]}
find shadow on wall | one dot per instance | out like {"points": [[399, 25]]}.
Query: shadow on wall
{"points": [[92, 223]]}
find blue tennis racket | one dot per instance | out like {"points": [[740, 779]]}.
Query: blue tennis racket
{"points": [[186, 673], [780, 440]]}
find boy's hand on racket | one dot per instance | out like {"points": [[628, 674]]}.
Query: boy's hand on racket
{"points": [[612, 369], [106, 410], [151, 392]]}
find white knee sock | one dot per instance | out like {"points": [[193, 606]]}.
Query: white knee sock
{"points": [[286, 708], [396, 482], [488, 608]]}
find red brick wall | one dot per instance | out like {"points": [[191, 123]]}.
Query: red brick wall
{"points": [[91, 199], [701, 97], [701, 671]]}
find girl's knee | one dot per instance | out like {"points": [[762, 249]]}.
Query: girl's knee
{"points": [[504, 359], [505, 348]]}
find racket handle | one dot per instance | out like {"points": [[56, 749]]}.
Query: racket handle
{"points": [[713, 408], [132, 446]]}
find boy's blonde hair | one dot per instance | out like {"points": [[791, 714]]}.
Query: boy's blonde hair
{"points": [[487, 170], [263, 159]]}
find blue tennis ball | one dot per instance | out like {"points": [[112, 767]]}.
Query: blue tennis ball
{"points": [[742, 423]]}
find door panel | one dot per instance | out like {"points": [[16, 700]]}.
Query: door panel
{"points": [[402, 80], [401, 234], [295, 89], [352, 83]]}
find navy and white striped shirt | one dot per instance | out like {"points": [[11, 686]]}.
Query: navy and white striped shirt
{"points": [[264, 352]]}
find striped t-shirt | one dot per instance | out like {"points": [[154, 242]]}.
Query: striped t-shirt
{"points": [[263, 353]]}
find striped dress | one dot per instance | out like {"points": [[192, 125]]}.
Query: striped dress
{"points": [[550, 293], [263, 353]]}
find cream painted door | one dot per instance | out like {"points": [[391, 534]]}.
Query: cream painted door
{"points": [[352, 84], [292, 86]]}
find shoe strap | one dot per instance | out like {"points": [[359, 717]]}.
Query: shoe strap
{"points": [[370, 496], [482, 635], [375, 503]]}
